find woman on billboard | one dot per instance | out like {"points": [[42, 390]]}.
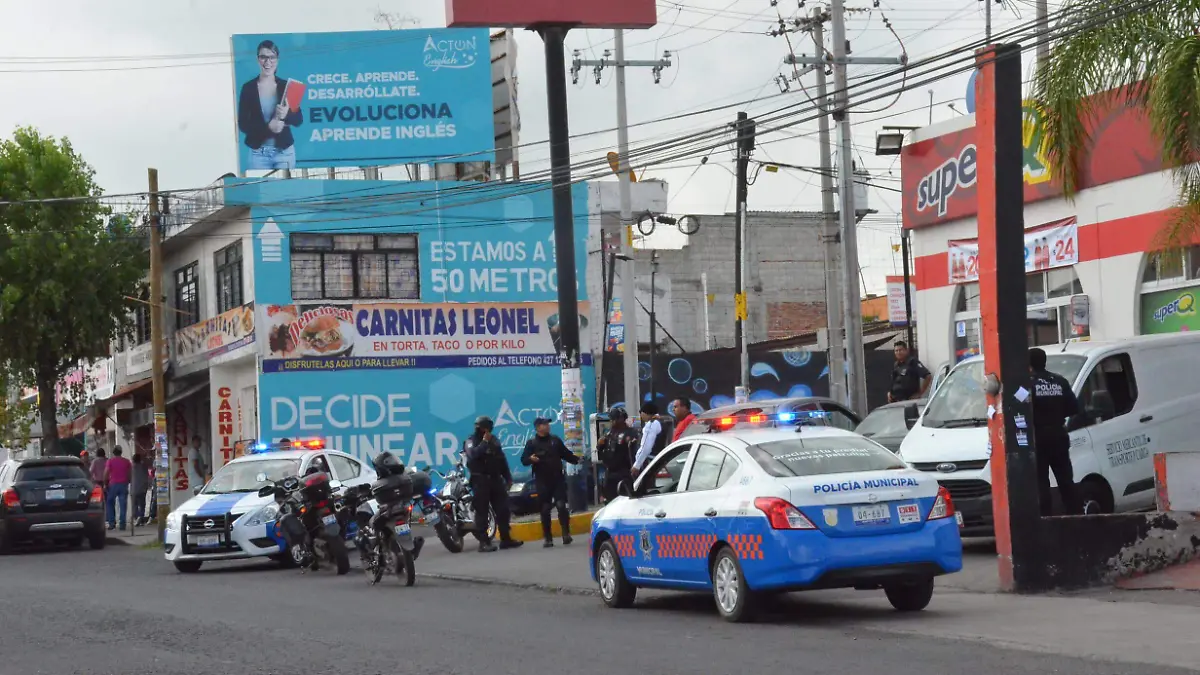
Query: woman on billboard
{"points": [[268, 107]]}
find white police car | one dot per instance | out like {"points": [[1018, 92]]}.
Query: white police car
{"points": [[776, 509], [227, 520]]}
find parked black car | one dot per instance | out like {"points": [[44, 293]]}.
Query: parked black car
{"points": [[49, 499], [886, 424], [745, 415]]}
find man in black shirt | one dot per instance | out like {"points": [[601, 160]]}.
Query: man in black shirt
{"points": [[617, 449], [490, 480], [910, 377], [1053, 404], [546, 454]]}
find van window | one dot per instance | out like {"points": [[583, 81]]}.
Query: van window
{"points": [[960, 401], [1112, 376]]}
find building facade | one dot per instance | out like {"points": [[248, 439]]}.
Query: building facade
{"points": [[1093, 263]]}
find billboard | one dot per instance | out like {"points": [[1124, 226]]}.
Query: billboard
{"points": [[897, 307], [1046, 247], [306, 100], [1170, 311], [573, 13]]}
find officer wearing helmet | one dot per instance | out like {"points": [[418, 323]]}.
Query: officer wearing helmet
{"points": [[392, 474], [490, 480], [616, 451]]}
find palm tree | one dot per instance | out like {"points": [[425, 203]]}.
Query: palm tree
{"points": [[1150, 57]]}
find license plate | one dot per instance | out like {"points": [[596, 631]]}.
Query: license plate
{"points": [[908, 513], [52, 495], [329, 519], [958, 519], [432, 518], [874, 514], [403, 529], [206, 540]]}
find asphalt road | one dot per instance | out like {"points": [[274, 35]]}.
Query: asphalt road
{"points": [[124, 610]]}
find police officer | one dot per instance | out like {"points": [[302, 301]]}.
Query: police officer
{"points": [[910, 377], [1053, 404], [546, 453], [617, 449], [490, 480]]}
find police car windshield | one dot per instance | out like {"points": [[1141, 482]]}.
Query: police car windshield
{"points": [[960, 401], [250, 476], [818, 456]]}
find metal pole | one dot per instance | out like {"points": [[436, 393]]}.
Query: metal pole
{"points": [[1043, 24], [908, 313], [833, 300], [553, 37], [628, 267], [653, 327], [157, 351], [852, 295], [707, 326], [987, 18], [610, 259], [745, 135]]}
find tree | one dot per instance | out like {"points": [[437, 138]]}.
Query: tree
{"points": [[67, 268], [1148, 54]]}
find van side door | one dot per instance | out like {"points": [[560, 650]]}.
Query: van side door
{"points": [[1121, 448]]}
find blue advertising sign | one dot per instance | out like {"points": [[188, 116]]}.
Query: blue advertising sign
{"points": [[472, 242], [422, 416], [363, 98]]}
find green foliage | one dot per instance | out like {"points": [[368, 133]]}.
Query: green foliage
{"points": [[1152, 56], [15, 414], [65, 273]]}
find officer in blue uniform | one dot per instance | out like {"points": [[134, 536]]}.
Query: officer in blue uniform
{"points": [[1053, 404]]}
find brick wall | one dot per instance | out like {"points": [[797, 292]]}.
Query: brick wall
{"points": [[791, 318]]}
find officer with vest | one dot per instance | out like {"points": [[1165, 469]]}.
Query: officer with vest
{"points": [[910, 377], [490, 480], [616, 451], [1053, 404], [545, 454]]}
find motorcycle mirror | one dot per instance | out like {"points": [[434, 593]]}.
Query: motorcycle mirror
{"points": [[266, 491], [335, 485]]}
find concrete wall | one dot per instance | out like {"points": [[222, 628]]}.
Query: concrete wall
{"points": [[785, 285]]}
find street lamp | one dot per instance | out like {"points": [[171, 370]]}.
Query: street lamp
{"points": [[891, 140]]}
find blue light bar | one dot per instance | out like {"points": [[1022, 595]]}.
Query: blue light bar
{"points": [[787, 417]]}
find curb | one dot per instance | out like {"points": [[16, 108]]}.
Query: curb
{"points": [[531, 586], [581, 524]]}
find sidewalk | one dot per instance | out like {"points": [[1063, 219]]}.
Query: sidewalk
{"points": [[142, 536], [967, 606]]}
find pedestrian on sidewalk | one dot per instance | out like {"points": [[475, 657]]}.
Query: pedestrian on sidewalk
{"points": [[545, 453], [139, 484], [490, 480], [681, 410], [117, 472], [1053, 404], [616, 452], [97, 467]]}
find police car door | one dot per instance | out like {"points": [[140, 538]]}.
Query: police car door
{"points": [[650, 519], [704, 511]]}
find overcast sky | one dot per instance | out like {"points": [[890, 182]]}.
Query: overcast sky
{"points": [[138, 83]]}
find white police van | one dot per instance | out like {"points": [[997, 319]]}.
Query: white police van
{"points": [[1137, 396], [776, 508], [227, 520]]}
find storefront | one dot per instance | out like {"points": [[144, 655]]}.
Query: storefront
{"points": [[1091, 270]]}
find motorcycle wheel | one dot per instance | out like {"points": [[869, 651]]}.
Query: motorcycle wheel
{"points": [[336, 548], [406, 567], [373, 562], [451, 537]]}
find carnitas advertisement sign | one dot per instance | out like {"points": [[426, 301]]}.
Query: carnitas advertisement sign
{"points": [[325, 337], [939, 175]]}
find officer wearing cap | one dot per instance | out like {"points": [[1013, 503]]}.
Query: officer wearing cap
{"points": [[490, 480], [545, 453], [910, 377], [616, 451]]}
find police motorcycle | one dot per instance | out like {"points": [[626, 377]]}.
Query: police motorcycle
{"points": [[458, 502], [308, 520], [384, 539], [439, 514]]}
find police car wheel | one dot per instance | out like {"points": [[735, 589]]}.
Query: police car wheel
{"points": [[615, 589], [910, 597], [735, 601]]}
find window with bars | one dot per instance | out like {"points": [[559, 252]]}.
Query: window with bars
{"points": [[228, 266], [141, 320], [355, 267], [187, 296]]}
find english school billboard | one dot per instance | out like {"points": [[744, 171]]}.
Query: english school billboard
{"points": [[307, 100]]}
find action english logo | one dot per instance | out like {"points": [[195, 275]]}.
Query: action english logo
{"points": [[955, 173], [1184, 305], [451, 53]]}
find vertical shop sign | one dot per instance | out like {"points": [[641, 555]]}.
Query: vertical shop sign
{"points": [[225, 424]]}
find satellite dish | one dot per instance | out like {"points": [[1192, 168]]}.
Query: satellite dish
{"points": [[971, 92]]}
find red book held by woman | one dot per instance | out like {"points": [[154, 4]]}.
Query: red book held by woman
{"points": [[293, 93]]}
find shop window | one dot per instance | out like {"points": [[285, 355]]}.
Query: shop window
{"points": [[1048, 314], [228, 264], [1168, 266], [141, 320], [1062, 282], [187, 296], [968, 298], [355, 267]]}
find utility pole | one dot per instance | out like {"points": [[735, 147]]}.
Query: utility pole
{"points": [[745, 129], [162, 453], [629, 306], [908, 313], [987, 25], [833, 302], [852, 295], [653, 326], [1043, 32]]}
